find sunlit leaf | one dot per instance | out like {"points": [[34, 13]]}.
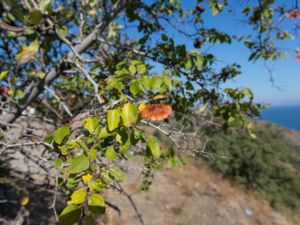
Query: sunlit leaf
{"points": [[78, 196], [79, 164], [153, 144], [129, 114], [60, 134], [93, 154], [96, 203], [110, 153], [113, 119], [92, 124], [3, 74], [116, 173]]}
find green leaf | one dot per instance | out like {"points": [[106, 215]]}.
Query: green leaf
{"points": [[129, 114], [19, 94], [135, 87], [71, 183], [199, 61], [113, 119], [153, 144], [164, 37], [70, 215], [92, 124], [78, 196], [35, 16], [156, 83], [63, 149], [122, 136], [106, 178], [110, 153], [103, 133], [60, 134], [215, 7], [147, 83], [188, 65], [3, 74], [173, 162], [231, 119], [248, 92], [79, 164], [93, 154], [132, 69], [167, 81], [96, 204], [58, 162], [141, 69], [116, 173]]}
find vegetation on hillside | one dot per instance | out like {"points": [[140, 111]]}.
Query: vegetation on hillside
{"points": [[267, 163]]}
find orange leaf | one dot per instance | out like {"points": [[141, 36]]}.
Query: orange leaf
{"points": [[156, 112]]}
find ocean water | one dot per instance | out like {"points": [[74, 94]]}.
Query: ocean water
{"points": [[285, 116]]}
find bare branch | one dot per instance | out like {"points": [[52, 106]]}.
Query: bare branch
{"points": [[62, 103], [90, 79]]}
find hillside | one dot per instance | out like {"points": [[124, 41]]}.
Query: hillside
{"points": [[193, 194]]}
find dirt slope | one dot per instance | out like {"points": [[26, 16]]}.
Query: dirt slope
{"points": [[192, 195]]}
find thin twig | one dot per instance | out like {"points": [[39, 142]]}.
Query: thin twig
{"points": [[62, 103], [53, 205], [90, 79], [168, 134], [132, 204]]}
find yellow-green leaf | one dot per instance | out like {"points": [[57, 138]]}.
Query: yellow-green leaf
{"points": [[79, 164], [60, 134], [141, 69], [78, 196], [3, 74], [96, 203], [110, 153], [132, 69], [153, 144], [116, 173], [93, 154], [113, 119], [129, 114], [91, 124], [103, 133]]}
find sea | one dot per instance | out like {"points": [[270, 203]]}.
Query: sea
{"points": [[285, 116]]}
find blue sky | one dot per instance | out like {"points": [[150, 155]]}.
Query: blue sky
{"points": [[286, 72]]}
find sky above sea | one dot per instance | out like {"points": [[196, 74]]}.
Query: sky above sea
{"points": [[285, 90]]}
